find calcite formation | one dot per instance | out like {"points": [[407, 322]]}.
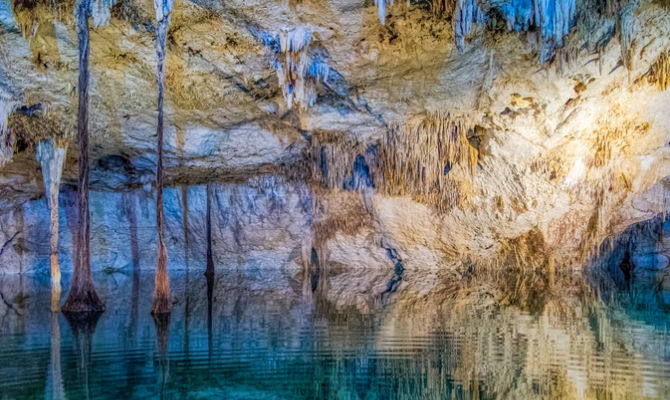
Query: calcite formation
{"points": [[465, 128], [51, 157]]}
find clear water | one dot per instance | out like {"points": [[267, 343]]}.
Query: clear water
{"points": [[263, 339]]}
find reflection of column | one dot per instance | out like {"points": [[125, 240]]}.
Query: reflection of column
{"points": [[162, 324], [307, 270], [315, 256], [135, 255], [54, 389], [210, 293], [551, 273], [209, 272], [187, 302], [83, 326]]}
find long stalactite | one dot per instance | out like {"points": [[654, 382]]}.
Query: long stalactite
{"points": [[51, 155]]}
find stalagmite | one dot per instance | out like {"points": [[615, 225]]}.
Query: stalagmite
{"points": [[51, 156], [82, 296], [162, 290]]}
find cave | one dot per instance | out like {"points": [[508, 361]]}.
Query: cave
{"points": [[335, 199]]}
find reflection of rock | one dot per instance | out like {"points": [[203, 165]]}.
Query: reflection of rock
{"points": [[651, 261], [643, 246], [482, 333]]}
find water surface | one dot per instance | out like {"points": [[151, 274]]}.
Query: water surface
{"points": [[259, 337]]}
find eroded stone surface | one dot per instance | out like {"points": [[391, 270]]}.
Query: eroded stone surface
{"points": [[569, 152]]}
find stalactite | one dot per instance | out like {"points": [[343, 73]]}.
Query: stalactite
{"points": [[553, 18], [162, 285], [626, 32], [381, 9], [443, 7], [431, 160], [6, 137], [659, 73], [297, 73], [29, 14], [333, 158], [100, 11], [466, 15], [82, 296], [51, 155]]}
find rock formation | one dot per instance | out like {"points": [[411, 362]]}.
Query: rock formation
{"points": [[51, 158], [484, 129]]}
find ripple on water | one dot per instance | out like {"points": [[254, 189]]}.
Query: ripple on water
{"points": [[269, 344]]}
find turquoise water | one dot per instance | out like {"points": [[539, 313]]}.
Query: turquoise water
{"points": [[263, 339]]}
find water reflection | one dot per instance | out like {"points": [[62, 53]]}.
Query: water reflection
{"points": [[83, 326], [54, 386], [484, 335], [162, 362]]}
